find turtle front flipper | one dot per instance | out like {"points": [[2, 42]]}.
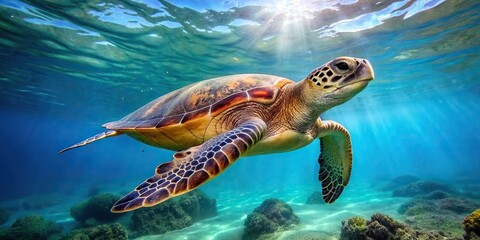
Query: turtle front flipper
{"points": [[335, 159], [194, 166]]}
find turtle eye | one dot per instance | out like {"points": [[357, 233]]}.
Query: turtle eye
{"points": [[342, 66]]}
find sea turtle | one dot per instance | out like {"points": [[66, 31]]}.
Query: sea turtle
{"points": [[212, 123]]}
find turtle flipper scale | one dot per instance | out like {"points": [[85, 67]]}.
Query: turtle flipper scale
{"points": [[192, 167], [335, 159]]}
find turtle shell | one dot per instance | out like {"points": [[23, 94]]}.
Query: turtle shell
{"points": [[206, 98]]}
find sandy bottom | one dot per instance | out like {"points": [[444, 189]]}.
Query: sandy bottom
{"points": [[233, 208], [359, 200]]}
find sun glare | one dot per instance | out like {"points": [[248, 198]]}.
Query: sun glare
{"points": [[287, 27], [292, 11], [291, 17]]}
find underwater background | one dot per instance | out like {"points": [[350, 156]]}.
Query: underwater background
{"points": [[67, 67]]}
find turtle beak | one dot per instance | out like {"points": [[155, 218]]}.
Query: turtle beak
{"points": [[365, 70], [364, 73]]}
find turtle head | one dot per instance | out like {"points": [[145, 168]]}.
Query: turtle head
{"points": [[338, 81]]}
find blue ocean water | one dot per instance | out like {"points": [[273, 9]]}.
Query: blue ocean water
{"points": [[67, 67]]}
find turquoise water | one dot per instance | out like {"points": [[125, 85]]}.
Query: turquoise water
{"points": [[68, 67]]}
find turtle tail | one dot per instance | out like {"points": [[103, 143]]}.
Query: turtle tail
{"points": [[110, 133]]}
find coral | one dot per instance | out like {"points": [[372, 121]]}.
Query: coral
{"points": [[471, 225], [113, 231], [383, 227], [438, 211], [166, 216], [387, 221], [417, 206], [258, 224], [354, 228], [399, 181], [435, 195], [174, 213], [421, 187], [432, 215], [95, 209], [198, 205], [441, 221], [458, 205], [315, 198], [4, 216], [30, 227], [377, 231], [271, 216]]}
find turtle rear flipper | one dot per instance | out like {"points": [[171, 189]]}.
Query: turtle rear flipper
{"points": [[192, 167], [99, 136]]}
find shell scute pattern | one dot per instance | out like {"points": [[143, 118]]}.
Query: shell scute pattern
{"points": [[201, 99]]}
